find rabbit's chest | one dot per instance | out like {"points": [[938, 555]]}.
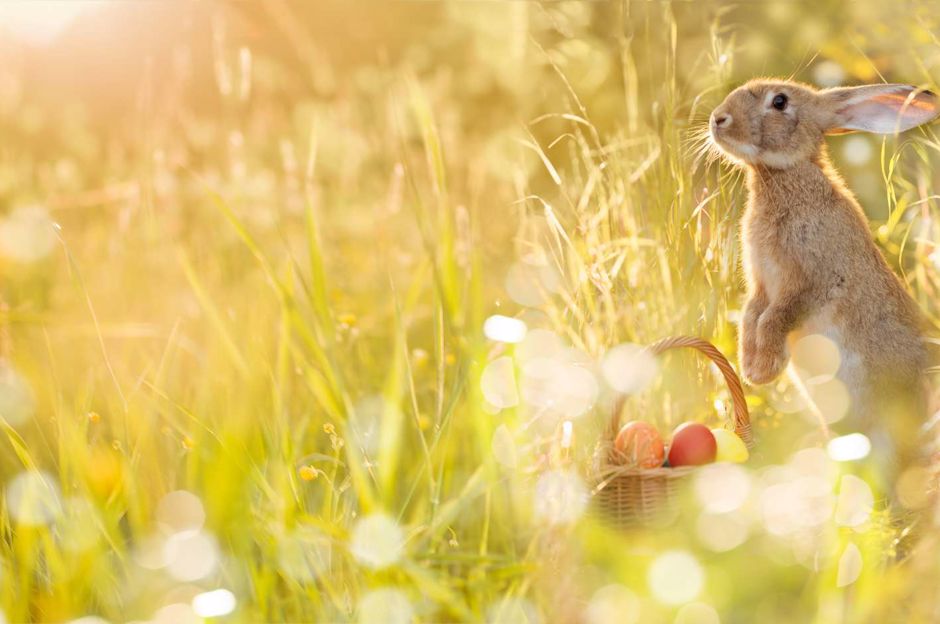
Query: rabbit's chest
{"points": [[768, 272], [770, 259], [763, 266]]}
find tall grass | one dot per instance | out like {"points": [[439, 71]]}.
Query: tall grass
{"points": [[272, 297]]}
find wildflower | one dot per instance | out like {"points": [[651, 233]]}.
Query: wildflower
{"points": [[94, 417], [188, 442], [104, 471], [347, 320], [308, 472], [329, 428]]}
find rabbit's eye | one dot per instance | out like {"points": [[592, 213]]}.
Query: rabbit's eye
{"points": [[779, 102]]}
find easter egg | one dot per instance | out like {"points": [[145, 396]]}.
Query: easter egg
{"points": [[731, 448], [692, 445], [639, 444]]}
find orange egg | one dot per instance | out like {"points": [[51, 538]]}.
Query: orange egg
{"points": [[639, 444]]}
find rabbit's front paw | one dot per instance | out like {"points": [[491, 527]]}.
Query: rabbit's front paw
{"points": [[763, 366]]}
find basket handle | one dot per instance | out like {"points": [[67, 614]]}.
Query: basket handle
{"points": [[742, 419]]}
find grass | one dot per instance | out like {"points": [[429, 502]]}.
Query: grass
{"points": [[270, 292]]}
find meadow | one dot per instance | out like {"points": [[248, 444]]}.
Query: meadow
{"points": [[311, 312]]}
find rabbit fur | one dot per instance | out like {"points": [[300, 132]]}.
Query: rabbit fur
{"points": [[810, 262]]}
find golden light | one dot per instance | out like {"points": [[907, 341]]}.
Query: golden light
{"points": [[41, 21]]}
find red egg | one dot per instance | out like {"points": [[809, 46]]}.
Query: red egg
{"points": [[692, 445], [640, 445]]}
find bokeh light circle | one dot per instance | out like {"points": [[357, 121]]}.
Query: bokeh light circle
{"points": [[377, 541], [676, 577], [385, 605]]}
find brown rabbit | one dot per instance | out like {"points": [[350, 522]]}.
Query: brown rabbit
{"points": [[810, 261]]}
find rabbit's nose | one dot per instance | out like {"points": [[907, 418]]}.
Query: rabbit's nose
{"points": [[721, 120]]}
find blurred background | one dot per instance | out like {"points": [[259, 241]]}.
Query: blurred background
{"points": [[316, 311]]}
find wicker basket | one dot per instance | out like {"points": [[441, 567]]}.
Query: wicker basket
{"points": [[628, 496]]}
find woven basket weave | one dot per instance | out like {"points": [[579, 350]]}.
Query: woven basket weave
{"points": [[628, 496]]}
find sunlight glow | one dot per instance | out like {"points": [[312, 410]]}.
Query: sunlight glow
{"points": [[385, 605], [304, 553], [613, 603], [855, 503], [567, 434], [181, 512], [335, 311], [676, 577], [377, 541], [27, 234], [629, 368], [560, 497], [850, 566], [558, 385], [78, 525], [32, 498], [796, 504], [828, 74], [504, 329], [832, 399], [498, 383], [816, 356], [697, 613], [191, 556], [17, 403], [722, 487], [175, 613], [214, 603], [849, 447], [41, 21], [365, 423], [532, 284], [539, 343], [504, 447], [150, 552], [512, 610], [857, 150], [722, 532]]}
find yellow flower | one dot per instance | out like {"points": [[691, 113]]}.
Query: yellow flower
{"points": [[308, 473], [188, 442], [94, 417], [103, 471], [349, 320], [329, 428]]}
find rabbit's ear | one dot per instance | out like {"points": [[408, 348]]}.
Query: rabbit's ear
{"points": [[884, 109]]}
